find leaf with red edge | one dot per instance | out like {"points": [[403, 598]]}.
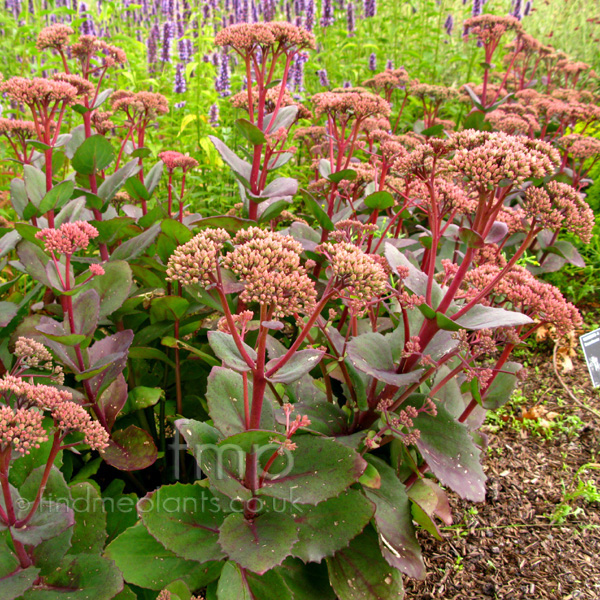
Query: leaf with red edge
{"points": [[130, 449]]}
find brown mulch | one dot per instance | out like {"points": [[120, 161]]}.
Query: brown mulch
{"points": [[508, 548]]}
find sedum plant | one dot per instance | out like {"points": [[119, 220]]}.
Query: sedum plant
{"points": [[327, 370]]}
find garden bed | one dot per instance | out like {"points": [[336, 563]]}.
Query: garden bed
{"points": [[510, 548]]}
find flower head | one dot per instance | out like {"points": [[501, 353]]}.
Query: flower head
{"points": [[54, 36], [196, 260], [247, 37], [560, 206], [37, 91], [269, 265], [360, 276], [173, 160], [68, 238]]}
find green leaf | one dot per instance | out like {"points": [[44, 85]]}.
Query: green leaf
{"points": [[136, 189], [393, 522], [317, 470], [147, 563], [172, 342], [501, 389], [133, 247], [318, 213], [325, 528], [371, 477], [445, 323], [379, 200], [251, 132], [145, 352], [343, 175], [168, 308], [223, 467], [451, 454], [236, 583], [306, 582], [273, 210], [94, 155], [112, 184], [261, 544], [185, 519], [471, 238], [34, 259], [57, 197], [13, 585], [359, 572], [141, 397], [259, 441], [66, 340], [225, 397], [89, 533], [113, 287], [224, 347]]}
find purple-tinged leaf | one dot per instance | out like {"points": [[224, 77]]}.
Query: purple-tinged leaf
{"points": [[500, 390], [286, 116], [359, 572], [432, 499], [134, 246], [8, 311], [474, 97], [34, 259], [489, 317], [299, 364], [113, 399], [261, 544], [452, 456], [50, 520], [86, 307], [130, 449], [35, 184], [13, 585], [115, 346], [370, 353], [224, 347], [251, 132], [497, 233], [242, 168], [393, 522], [113, 287]]}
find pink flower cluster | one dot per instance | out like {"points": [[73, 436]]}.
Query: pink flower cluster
{"points": [[29, 401], [54, 36], [89, 46], [559, 206], [146, 104], [361, 277], [503, 158], [68, 238], [196, 260], [173, 160], [37, 91], [526, 294], [246, 37], [269, 265], [490, 28], [344, 103]]}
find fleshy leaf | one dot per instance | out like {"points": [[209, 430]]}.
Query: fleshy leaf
{"points": [[359, 572], [451, 453], [317, 470], [261, 544], [393, 522], [236, 583], [147, 563], [130, 449], [299, 364], [185, 519], [224, 347], [325, 528]]}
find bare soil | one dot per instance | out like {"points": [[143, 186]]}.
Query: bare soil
{"points": [[509, 547]]}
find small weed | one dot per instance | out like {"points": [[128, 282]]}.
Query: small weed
{"points": [[585, 490]]}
